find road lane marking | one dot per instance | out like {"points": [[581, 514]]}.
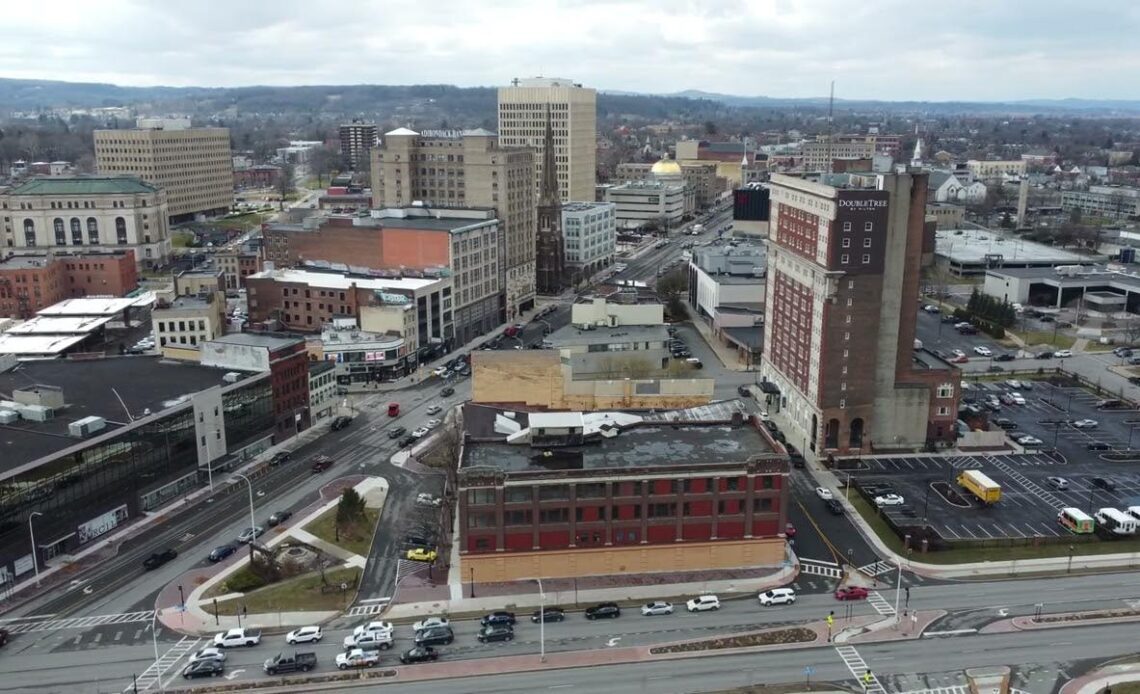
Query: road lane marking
{"points": [[952, 632]]}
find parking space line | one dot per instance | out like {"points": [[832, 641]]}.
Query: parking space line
{"points": [[967, 531], [982, 528]]}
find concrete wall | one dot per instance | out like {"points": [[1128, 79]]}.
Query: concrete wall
{"points": [[901, 415], [601, 312], [537, 378], [1015, 290], [512, 566]]}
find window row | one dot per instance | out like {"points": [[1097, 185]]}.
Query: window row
{"points": [[622, 512]]}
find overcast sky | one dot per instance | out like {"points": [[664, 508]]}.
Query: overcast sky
{"points": [[874, 49]]}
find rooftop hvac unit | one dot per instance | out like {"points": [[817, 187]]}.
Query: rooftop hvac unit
{"points": [[231, 377], [8, 416], [82, 428], [36, 413]]}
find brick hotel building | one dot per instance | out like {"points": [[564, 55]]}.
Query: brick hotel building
{"points": [[840, 372]]}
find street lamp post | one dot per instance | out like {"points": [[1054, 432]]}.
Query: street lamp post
{"points": [[154, 640], [252, 522], [1070, 569], [541, 621], [472, 581], [32, 532]]}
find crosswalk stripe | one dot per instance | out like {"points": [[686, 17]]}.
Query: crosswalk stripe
{"points": [[816, 570], [859, 669], [153, 674], [80, 622], [880, 604]]}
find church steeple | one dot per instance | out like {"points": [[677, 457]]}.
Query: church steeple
{"points": [[548, 195]]}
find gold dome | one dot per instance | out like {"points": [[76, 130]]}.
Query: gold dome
{"points": [[666, 167]]}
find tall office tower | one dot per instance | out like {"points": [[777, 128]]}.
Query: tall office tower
{"points": [[550, 251], [574, 110], [356, 142], [193, 165], [469, 168], [841, 374]]}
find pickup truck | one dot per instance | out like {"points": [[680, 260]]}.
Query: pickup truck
{"points": [[238, 637], [296, 662], [357, 658]]}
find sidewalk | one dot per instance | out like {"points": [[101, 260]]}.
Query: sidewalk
{"points": [[727, 357], [65, 568], [1098, 680]]}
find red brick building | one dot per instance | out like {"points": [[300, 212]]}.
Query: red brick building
{"points": [[841, 375], [33, 282], [286, 360], [657, 496], [260, 176]]}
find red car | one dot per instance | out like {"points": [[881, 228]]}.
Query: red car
{"points": [[851, 593], [789, 531]]}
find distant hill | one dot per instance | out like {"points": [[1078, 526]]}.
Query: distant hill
{"points": [[436, 105]]}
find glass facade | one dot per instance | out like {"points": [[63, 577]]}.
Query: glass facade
{"points": [[85, 493]]}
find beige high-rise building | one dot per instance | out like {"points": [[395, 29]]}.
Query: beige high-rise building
{"points": [[466, 168], [193, 165], [574, 117]]}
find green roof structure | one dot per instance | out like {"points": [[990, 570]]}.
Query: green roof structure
{"points": [[83, 185]]}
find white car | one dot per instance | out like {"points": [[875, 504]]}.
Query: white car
{"points": [[1063, 353], [1017, 398], [369, 640], [208, 654], [1085, 424], [431, 424], [439, 371], [373, 626], [702, 603], [930, 308], [434, 409], [889, 500], [1058, 483], [304, 635], [424, 499], [983, 351], [824, 493], [1030, 441], [250, 534], [657, 608], [420, 433], [431, 622], [1013, 383], [777, 596]]}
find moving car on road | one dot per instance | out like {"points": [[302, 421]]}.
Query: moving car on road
{"points": [[340, 423], [1085, 424], [157, 559], [851, 593], [435, 636], [434, 409], [703, 603], [496, 632], [777, 596], [824, 493], [321, 463], [419, 654], [357, 657], [397, 432], [278, 518], [425, 499], [204, 668], [605, 610], [430, 622], [292, 662], [207, 654], [834, 507], [657, 608], [304, 635], [1063, 353], [421, 554], [498, 617], [548, 614], [372, 640], [447, 392]]}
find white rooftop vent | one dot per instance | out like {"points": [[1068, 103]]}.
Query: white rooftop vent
{"points": [[8, 416], [36, 413], [82, 428], [232, 377]]}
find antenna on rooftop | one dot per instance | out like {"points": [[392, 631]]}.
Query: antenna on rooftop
{"points": [[830, 127]]}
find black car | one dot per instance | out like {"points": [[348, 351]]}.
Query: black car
{"points": [[949, 318], [1134, 380], [159, 558], [278, 518], [1097, 446], [321, 463], [744, 391], [496, 632], [1043, 355], [340, 423], [279, 457], [419, 654], [550, 614], [407, 441], [605, 610], [446, 392], [397, 432], [1104, 483], [771, 426], [411, 541], [1005, 423], [1004, 357], [1046, 319], [221, 552], [834, 507], [434, 636], [498, 617], [204, 668]]}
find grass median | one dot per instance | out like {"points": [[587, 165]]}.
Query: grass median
{"points": [[356, 539], [1047, 337], [966, 555], [302, 593]]}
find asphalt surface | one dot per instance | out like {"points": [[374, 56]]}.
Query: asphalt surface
{"points": [[971, 606]]}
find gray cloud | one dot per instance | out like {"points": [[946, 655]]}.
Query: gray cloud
{"points": [[889, 49]]}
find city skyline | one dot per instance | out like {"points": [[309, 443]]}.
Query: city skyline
{"points": [[882, 50]]}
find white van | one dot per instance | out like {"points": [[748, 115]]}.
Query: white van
{"points": [[695, 363]]}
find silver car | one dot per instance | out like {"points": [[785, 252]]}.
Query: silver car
{"points": [[657, 608]]}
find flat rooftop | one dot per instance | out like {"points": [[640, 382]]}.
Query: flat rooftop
{"points": [[142, 383], [667, 442], [38, 345], [332, 280], [571, 335], [96, 306], [971, 246], [258, 340], [59, 325]]}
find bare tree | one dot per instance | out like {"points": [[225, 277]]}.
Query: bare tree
{"points": [[285, 184], [1130, 327], [444, 456]]}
